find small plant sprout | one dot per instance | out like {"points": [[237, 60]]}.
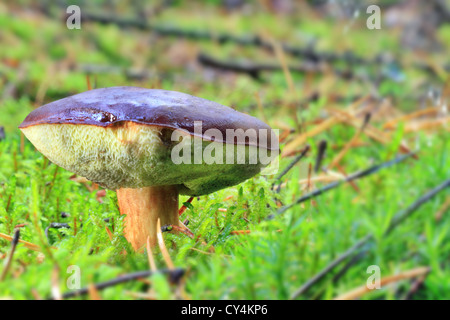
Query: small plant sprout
{"points": [[146, 144]]}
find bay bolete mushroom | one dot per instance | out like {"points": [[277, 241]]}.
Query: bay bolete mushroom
{"points": [[150, 146]]}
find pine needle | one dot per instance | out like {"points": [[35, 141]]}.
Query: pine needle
{"points": [[27, 244], [162, 247], [360, 291], [302, 138], [393, 123], [151, 259], [93, 292], [14, 242], [445, 206]]}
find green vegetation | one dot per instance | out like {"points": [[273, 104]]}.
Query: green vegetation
{"points": [[42, 61]]}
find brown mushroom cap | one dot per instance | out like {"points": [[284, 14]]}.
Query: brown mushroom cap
{"points": [[107, 107], [120, 137]]}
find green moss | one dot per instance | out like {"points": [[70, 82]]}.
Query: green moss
{"points": [[41, 61]]}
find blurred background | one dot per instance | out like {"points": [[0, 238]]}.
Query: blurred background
{"points": [[367, 79], [225, 50]]}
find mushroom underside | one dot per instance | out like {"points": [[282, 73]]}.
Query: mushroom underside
{"points": [[138, 156], [146, 168]]}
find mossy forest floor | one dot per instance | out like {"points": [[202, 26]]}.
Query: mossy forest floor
{"points": [[241, 248]]}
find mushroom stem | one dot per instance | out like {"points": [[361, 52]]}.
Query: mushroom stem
{"points": [[143, 207]]}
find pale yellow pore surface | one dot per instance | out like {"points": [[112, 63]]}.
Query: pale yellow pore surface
{"points": [[131, 155], [112, 156]]}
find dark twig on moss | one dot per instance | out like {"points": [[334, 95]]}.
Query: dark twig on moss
{"points": [[56, 225], [396, 220], [415, 287], [320, 154], [306, 53], [293, 163], [254, 70], [171, 227], [351, 177], [402, 215], [308, 284], [355, 259], [2, 133], [14, 242], [184, 207], [174, 277], [132, 74]]}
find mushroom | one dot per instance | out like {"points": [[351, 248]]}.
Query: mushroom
{"points": [[150, 146]]}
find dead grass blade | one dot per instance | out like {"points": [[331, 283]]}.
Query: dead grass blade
{"points": [[393, 123], [354, 176], [325, 125], [109, 233], [279, 52], [289, 149], [360, 291], [27, 244], [396, 220], [426, 125], [349, 144], [163, 248], [445, 206], [370, 131], [151, 259], [8, 261], [93, 292], [56, 292]]}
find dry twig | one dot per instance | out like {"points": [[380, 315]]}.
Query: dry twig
{"points": [[398, 218], [8, 261], [360, 291]]}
